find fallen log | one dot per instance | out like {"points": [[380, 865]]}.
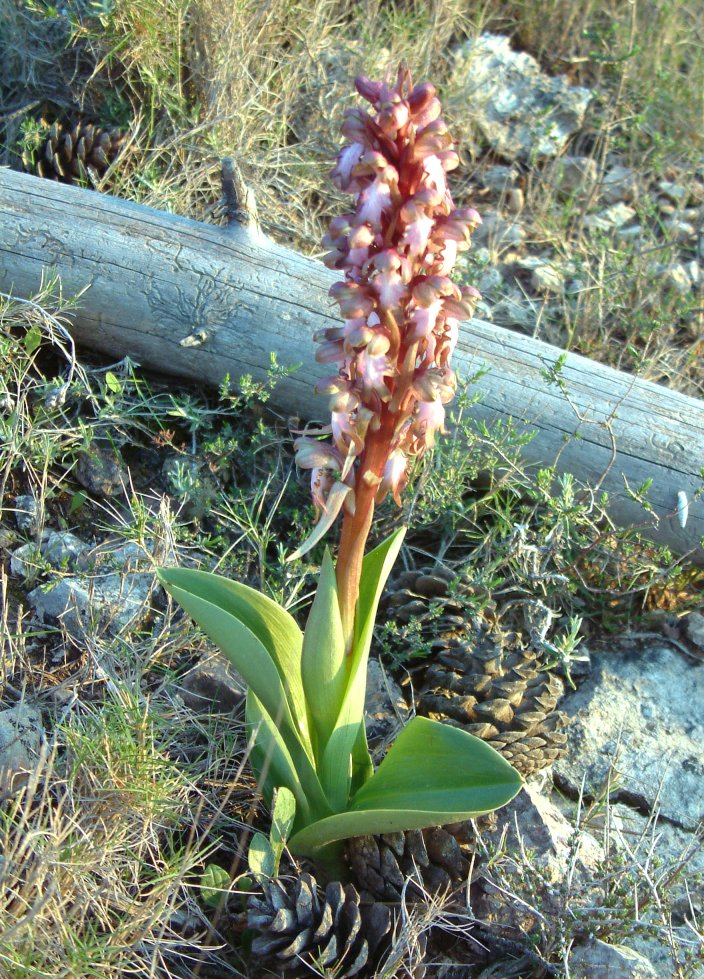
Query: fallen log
{"points": [[200, 301]]}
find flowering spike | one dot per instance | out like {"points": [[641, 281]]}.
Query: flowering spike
{"points": [[401, 311]]}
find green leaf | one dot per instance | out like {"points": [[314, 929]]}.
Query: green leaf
{"points": [[433, 774], [113, 383], [323, 658], [32, 338], [261, 859], [282, 817], [241, 621], [275, 765], [335, 765], [214, 884], [77, 501]]}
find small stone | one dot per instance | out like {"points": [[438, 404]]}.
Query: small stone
{"points": [[21, 736], [62, 549], [26, 514], [675, 277], [694, 271], [574, 175], [100, 469], [694, 629], [630, 233], [497, 233], [212, 685], [619, 184], [665, 207], [546, 278], [678, 230], [513, 312], [515, 201], [499, 178], [483, 256], [676, 192], [613, 217], [490, 282], [25, 561], [599, 960]]}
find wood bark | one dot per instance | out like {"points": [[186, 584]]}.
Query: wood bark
{"points": [[201, 301]]}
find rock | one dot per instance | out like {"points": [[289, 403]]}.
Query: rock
{"points": [[678, 230], [499, 178], [678, 194], [490, 282], [113, 603], [613, 217], [58, 549], [673, 847], [598, 960], [635, 712], [21, 736], [531, 824], [522, 112], [694, 271], [573, 175], [619, 184], [546, 278], [675, 277], [631, 233], [515, 200], [513, 312], [212, 685], [498, 233], [694, 629], [26, 561], [385, 708], [100, 470], [26, 514], [62, 549], [534, 823]]}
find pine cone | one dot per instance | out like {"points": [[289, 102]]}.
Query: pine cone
{"points": [[431, 860], [296, 925], [478, 677], [77, 154]]}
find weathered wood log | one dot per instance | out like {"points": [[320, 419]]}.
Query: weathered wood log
{"points": [[200, 301]]}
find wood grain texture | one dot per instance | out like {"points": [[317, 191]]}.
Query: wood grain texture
{"points": [[201, 301]]}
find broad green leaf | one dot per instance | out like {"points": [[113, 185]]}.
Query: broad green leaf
{"points": [[259, 637], [323, 659], [261, 858], [335, 765], [282, 817], [433, 774], [272, 625], [214, 884], [276, 766]]}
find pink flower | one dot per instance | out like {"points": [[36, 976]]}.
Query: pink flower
{"points": [[401, 311]]}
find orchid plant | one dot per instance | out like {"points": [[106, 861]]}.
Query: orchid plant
{"points": [[390, 381]]}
